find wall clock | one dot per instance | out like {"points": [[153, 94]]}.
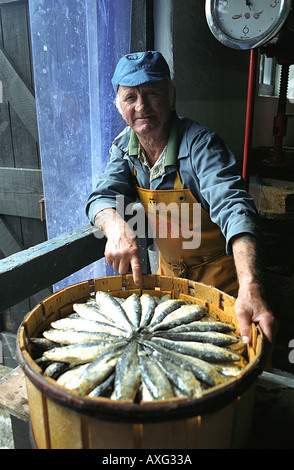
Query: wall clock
{"points": [[246, 24]]}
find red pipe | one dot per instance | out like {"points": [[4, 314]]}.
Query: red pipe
{"points": [[249, 115]]}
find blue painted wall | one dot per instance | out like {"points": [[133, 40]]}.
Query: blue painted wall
{"points": [[76, 45]]}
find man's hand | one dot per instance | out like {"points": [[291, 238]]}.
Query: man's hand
{"points": [[250, 305], [121, 250]]}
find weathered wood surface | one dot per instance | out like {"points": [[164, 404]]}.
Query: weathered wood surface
{"points": [[21, 191], [30, 271]]}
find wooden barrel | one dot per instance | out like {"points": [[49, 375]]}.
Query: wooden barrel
{"points": [[62, 419]]}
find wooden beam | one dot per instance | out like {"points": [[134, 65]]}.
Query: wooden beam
{"points": [[24, 274], [8, 244], [5, 2], [20, 192], [19, 95]]}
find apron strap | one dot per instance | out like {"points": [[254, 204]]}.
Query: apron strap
{"points": [[178, 183]]}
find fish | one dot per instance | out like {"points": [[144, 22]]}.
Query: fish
{"points": [[111, 307], [229, 370], [202, 326], [182, 315], [69, 379], [42, 344], [165, 297], [90, 311], [133, 309], [155, 379], [67, 337], [212, 337], [139, 348], [183, 380], [163, 309], [55, 369], [79, 353], [202, 370], [98, 370], [104, 388], [148, 304], [127, 374], [204, 351], [80, 324]]}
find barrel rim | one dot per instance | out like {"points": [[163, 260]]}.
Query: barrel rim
{"points": [[124, 412]]}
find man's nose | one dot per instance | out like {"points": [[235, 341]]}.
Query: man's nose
{"points": [[141, 102]]}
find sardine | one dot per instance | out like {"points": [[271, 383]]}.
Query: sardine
{"points": [[212, 337], [182, 379], [148, 304], [155, 379], [204, 351], [55, 369], [127, 374], [42, 344], [203, 326], [163, 309], [105, 388], [182, 315], [98, 370], [229, 370], [67, 337], [132, 307], [80, 353], [80, 324], [165, 297], [70, 378], [111, 307], [88, 311], [202, 370]]}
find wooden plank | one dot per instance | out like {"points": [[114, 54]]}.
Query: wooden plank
{"points": [[30, 271], [18, 94], [20, 192], [13, 395], [5, 2], [16, 38], [8, 244]]}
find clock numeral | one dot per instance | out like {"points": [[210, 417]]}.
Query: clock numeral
{"points": [[246, 30], [274, 3]]}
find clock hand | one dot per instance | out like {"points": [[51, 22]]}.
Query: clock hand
{"points": [[248, 4]]}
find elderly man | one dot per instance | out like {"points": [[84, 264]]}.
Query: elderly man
{"points": [[174, 162]]}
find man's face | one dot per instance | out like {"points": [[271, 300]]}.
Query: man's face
{"points": [[146, 108]]}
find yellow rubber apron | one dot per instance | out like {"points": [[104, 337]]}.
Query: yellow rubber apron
{"points": [[171, 215]]}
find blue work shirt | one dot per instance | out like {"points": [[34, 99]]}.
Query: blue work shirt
{"points": [[206, 166]]}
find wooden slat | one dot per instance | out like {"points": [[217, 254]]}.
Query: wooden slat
{"points": [[20, 192], [30, 271], [19, 95]]}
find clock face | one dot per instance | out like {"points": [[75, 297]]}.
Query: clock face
{"points": [[244, 24]]}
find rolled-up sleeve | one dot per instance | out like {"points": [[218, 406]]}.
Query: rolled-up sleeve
{"points": [[222, 187], [116, 182]]}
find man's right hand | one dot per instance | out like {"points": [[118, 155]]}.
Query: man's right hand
{"points": [[121, 250]]}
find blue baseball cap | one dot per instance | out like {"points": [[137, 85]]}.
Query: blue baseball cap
{"points": [[140, 67]]}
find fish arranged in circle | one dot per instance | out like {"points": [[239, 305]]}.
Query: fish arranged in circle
{"points": [[139, 349]]}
